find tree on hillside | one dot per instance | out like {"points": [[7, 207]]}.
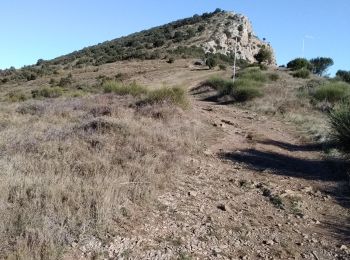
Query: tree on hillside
{"points": [[264, 55], [298, 64], [343, 75], [320, 65]]}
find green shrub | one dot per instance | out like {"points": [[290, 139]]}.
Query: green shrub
{"points": [[298, 64], [302, 73], [243, 89], [122, 89], [175, 95], [264, 55], [53, 92], [224, 87], [16, 96], [254, 74], [211, 62], [246, 90], [340, 125], [332, 92]]}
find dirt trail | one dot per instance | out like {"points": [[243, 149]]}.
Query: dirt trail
{"points": [[258, 192]]}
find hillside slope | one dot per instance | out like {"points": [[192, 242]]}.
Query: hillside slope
{"points": [[197, 37]]}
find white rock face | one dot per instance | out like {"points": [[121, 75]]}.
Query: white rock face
{"points": [[222, 37]]}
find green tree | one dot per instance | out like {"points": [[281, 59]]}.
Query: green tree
{"points": [[264, 55], [343, 75], [320, 65]]}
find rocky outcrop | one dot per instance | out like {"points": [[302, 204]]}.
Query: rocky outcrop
{"points": [[225, 28]]}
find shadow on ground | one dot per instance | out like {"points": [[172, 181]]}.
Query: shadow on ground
{"points": [[321, 170]]}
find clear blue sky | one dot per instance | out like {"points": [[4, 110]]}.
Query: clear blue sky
{"points": [[33, 29]]}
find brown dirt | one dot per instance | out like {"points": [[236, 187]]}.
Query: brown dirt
{"points": [[259, 191]]}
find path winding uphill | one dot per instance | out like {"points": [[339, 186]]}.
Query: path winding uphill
{"points": [[258, 192]]}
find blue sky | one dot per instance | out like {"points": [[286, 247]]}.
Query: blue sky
{"points": [[46, 29]]}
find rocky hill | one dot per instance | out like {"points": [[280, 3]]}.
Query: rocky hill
{"points": [[200, 36]]}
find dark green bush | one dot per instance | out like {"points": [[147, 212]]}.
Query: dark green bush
{"points": [[302, 73], [340, 125], [298, 64], [332, 92], [343, 75], [243, 89], [264, 55], [211, 62]]}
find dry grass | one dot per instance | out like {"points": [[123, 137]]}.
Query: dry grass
{"points": [[69, 166]]}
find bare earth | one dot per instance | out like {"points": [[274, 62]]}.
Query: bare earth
{"points": [[258, 192]]}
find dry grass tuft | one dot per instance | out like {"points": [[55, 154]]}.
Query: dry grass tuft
{"points": [[69, 167]]}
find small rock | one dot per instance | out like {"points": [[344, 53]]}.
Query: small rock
{"points": [[222, 207], [268, 242], [343, 247], [192, 193]]}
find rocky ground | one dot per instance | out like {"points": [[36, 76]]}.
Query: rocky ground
{"points": [[258, 192]]}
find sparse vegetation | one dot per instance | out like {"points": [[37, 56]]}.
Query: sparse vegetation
{"points": [[332, 92], [174, 95], [46, 92], [72, 165], [124, 89], [16, 96]]}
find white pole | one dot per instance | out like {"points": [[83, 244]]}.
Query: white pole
{"points": [[234, 62]]}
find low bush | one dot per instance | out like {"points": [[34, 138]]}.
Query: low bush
{"points": [[332, 92], [224, 87], [222, 67], [340, 125], [246, 90], [253, 74], [47, 92], [123, 89], [175, 95], [243, 89], [211, 62], [302, 73], [273, 76]]}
